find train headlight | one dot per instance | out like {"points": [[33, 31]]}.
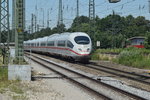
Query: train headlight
{"points": [[88, 49]]}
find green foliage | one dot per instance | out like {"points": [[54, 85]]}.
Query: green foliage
{"points": [[135, 58], [3, 74], [110, 51], [16, 89], [112, 30], [147, 41], [119, 50], [95, 56], [12, 86], [4, 83]]}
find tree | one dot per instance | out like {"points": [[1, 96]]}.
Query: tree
{"points": [[79, 23], [147, 41], [111, 30]]}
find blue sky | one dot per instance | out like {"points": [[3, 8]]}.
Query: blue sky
{"points": [[103, 8]]}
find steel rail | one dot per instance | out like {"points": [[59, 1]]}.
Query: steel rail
{"points": [[104, 69], [131, 73], [104, 84], [71, 79]]}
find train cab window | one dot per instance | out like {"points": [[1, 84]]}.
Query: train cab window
{"points": [[69, 44], [82, 40], [61, 43], [50, 43]]}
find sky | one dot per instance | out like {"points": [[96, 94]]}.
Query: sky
{"points": [[102, 9]]}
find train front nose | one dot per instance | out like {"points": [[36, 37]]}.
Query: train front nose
{"points": [[84, 49]]}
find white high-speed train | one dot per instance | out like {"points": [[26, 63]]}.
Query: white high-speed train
{"points": [[77, 45]]}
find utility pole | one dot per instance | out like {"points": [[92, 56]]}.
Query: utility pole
{"points": [[4, 30], [29, 29], [36, 16], [60, 17], [43, 17], [149, 6], [35, 23], [92, 10], [38, 27], [77, 16], [13, 21], [92, 19], [48, 18], [19, 29], [32, 22], [77, 8]]}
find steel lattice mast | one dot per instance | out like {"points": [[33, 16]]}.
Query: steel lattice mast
{"points": [[4, 29], [149, 5], [92, 18], [77, 8], [60, 13], [19, 17], [92, 9]]}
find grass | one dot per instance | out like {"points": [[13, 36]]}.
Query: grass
{"points": [[119, 50], [112, 51], [22, 97], [97, 56], [4, 83], [134, 57], [14, 87], [1, 60]]}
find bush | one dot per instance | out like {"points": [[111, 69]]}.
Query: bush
{"points": [[134, 58], [147, 41]]}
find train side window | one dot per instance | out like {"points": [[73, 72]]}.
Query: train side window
{"points": [[32, 44], [43, 44], [61, 43], [50, 43], [38, 44], [69, 44]]}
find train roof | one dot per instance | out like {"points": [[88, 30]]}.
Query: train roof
{"points": [[65, 36], [62, 36]]}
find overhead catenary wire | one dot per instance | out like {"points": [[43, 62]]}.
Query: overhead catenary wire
{"points": [[69, 8]]}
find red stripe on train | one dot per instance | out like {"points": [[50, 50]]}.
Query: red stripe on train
{"points": [[61, 49]]}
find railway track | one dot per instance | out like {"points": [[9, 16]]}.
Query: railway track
{"points": [[101, 89], [124, 74]]}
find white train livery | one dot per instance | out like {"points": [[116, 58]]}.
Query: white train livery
{"points": [[75, 45]]}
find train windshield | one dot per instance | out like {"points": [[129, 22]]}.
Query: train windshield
{"points": [[82, 40]]}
